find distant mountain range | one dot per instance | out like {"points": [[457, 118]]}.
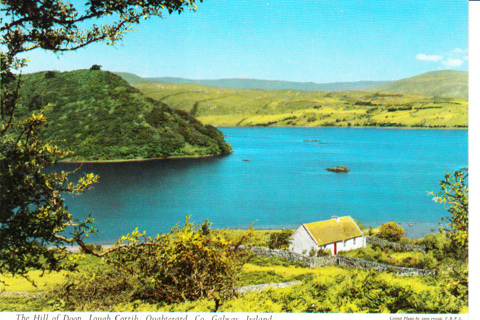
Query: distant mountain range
{"points": [[256, 84], [101, 116], [445, 83]]}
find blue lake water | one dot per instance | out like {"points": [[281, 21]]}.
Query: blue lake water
{"points": [[283, 184]]}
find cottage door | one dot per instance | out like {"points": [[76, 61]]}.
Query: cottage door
{"points": [[335, 249]]}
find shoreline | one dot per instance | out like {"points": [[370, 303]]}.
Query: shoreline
{"points": [[141, 159], [226, 154], [352, 127], [414, 230]]}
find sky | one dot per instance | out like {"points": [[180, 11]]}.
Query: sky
{"points": [[293, 40]]}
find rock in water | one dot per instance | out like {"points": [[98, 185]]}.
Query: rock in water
{"points": [[338, 169]]}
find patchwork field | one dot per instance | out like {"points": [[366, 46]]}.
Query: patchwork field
{"points": [[254, 107]]}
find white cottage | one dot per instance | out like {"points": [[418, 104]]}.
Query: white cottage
{"points": [[336, 234]]}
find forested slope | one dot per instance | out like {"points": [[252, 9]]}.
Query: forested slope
{"points": [[99, 116]]}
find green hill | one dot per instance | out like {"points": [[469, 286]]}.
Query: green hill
{"points": [[255, 83], [446, 84], [246, 107], [133, 79], [100, 116]]}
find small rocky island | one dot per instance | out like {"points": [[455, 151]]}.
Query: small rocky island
{"points": [[338, 169]]}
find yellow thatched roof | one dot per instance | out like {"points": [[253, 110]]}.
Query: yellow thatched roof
{"points": [[330, 231]]}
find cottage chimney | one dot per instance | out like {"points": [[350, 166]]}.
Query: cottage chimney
{"points": [[336, 218]]}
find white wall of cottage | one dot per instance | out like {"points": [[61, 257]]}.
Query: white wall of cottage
{"points": [[302, 242]]}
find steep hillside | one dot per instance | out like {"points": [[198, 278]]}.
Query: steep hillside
{"points": [[254, 83], [100, 116], [446, 84], [242, 107]]}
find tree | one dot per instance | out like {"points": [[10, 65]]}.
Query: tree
{"points": [[188, 263], [95, 67], [454, 196], [391, 231], [57, 26], [359, 224], [32, 212]]}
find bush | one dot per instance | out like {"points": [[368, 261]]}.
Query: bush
{"points": [[370, 231], [355, 292], [437, 243], [405, 241], [323, 252], [49, 74], [99, 291], [391, 231], [187, 264], [279, 240], [428, 261], [359, 224]]}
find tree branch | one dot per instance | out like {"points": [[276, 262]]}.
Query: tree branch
{"points": [[118, 247]]}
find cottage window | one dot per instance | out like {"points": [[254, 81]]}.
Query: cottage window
{"points": [[354, 241]]}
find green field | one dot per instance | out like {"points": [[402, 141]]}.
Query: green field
{"points": [[249, 107]]}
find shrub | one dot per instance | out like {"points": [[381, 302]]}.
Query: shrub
{"points": [[391, 231], [279, 240], [187, 264], [49, 74], [405, 241], [437, 243], [357, 291], [323, 252], [99, 291], [359, 224], [428, 261], [377, 246], [370, 230]]}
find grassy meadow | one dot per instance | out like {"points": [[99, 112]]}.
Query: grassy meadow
{"points": [[255, 107]]}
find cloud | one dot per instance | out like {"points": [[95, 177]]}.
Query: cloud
{"points": [[452, 63], [429, 57], [458, 50], [451, 59]]}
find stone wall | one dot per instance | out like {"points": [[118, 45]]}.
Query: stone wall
{"points": [[261, 287], [370, 265], [285, 254], [316, 262], [394, 245]]}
